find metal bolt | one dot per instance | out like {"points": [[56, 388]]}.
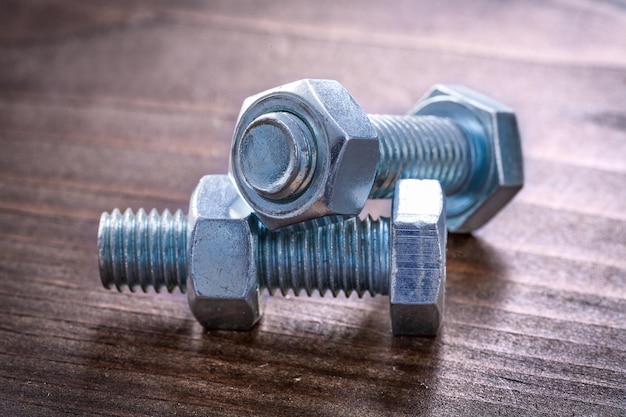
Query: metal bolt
{"points": [[467, 141], [223, 256]]}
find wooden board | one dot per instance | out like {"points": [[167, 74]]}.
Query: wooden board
{"points": [[108, 104]]}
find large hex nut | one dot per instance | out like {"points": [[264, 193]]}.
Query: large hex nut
{"points": [[497, 173], [329, 161], [418, 258], [223, 289]]}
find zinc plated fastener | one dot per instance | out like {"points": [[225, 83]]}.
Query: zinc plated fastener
{"points": [[306, 150], [223, 257]]}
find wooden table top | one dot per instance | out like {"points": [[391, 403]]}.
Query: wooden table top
{"points": [[108, 104]]}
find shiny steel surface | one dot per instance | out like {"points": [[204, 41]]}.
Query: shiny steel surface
{"points": [[496, 163], [320, 137], [418, 258], [231, 256], [465, 140]]}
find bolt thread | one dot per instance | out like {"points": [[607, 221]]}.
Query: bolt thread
{"points": [[143, 250], [352, 255], [423, 147], [151, 251]]}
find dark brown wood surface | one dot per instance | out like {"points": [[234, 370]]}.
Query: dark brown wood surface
{"points": [[108, 104]]}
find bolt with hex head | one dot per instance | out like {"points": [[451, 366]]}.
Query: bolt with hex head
{"points": [[306, 150], [223, 257]]}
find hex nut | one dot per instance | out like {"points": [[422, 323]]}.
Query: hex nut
{"points": [[418, 258], [334, 145], [497, 173], [223, 289]]}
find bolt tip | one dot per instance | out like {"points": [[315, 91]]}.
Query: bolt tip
{"points": [[275, 155], [142, 250]]}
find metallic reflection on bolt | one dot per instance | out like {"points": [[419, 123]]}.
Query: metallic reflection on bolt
{"points": [[232, 256], [465, 140]]}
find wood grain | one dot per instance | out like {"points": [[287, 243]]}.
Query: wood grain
{"points": [[108, 104]]}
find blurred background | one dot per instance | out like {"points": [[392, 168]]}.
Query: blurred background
{"points": [[108, 104]]}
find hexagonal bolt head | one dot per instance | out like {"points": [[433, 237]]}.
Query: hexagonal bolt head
{"points": [[418, 258], [496, 155], [223, 288], [302, 151]]}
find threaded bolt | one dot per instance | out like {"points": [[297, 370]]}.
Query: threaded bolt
{"points": [[222, 255], [337, 155], [139, 250], [420, 147], [347, 256], [143, 250]]}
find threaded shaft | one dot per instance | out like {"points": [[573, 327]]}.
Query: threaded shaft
{"points": [[351, 256], [143, 250], [423, 147], [151, 251]]}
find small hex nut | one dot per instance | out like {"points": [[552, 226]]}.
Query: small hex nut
{"points": [[418, 258], [498, 172], [344, 152], [223, 289]]}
